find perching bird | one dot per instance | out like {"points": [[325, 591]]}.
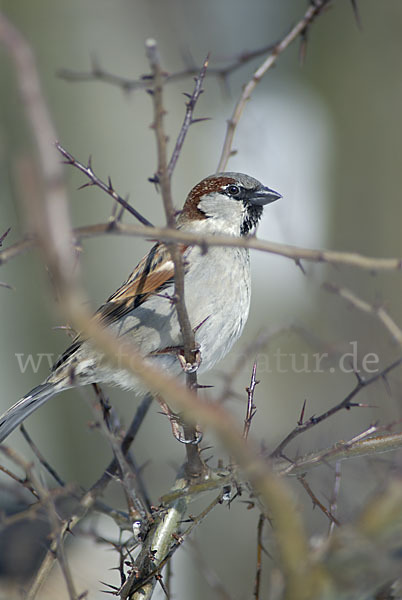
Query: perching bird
{"points": [[217, 295]]}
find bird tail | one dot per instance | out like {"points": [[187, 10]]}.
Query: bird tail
{"points": [[15, 415]]}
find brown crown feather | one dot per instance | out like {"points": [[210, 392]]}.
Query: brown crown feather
{"points": [[206, 186]]}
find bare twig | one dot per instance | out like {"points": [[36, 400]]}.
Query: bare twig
{"points": [[345, 404], [100, 485], [89, 499], [97, 73], [317, 502], [163, 179], [162, 175], [195, 465], [143, 588], [188, 117], [371, 309], [24, 482], [130, 483], [332, 257], [251, 408], [257, 582], [57, 525], [261, 341], [314, 9], [96, 181], [333, 505], [4, 235], [44, 133], [15, 250], [365, 444], [40, 456]]}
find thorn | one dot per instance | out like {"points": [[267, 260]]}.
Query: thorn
{"points": [[85, 185], [69, 530], [89, 164], [199, 386], [154, 179], [356, 14], [361, 382], [199, 120], [113, 587], [301, 418], [109, 182], [387, 385], [3, 237], [298, 263]]}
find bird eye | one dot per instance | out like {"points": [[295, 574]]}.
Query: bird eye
{"points": [[233, 190]]}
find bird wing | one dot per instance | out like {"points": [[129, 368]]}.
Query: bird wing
{"points": [[152, 275]]}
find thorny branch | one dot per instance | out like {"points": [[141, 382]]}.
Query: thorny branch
{"points": [[188, 117], [130, 481], [163, 178], [295, 253], [58, 527], [195, 465], [94, 180], [140, 586], [317, 502], [127, 85], [40, 456], [2, 238], [4, 235], [261, 477], [251, 408], [377, 311], [333, 505], [97, 73], [257, 583], [363, 445], [89, 499], [315, 8], [346, 404]]}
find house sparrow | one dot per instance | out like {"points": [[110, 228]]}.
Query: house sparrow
{"points": [[217, 296]]}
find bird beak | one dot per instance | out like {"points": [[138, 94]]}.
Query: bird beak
{"points": [[264, 196]]}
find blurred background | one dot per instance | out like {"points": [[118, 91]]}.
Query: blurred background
{"points": [[327, 135]]}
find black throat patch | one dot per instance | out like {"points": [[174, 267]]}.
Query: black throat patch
{"points": [[251, 218]]}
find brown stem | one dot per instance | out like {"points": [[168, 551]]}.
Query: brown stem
{"points": [[195, 466]]}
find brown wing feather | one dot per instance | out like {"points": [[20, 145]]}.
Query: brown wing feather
{"points": [[152, 275]]}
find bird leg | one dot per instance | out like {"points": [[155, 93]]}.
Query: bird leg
{"points": [[176, 423], [187, 366]]}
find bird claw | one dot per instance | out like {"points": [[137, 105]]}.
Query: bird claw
{"points": [[194, 442], [175, 424], [187, 366]]}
